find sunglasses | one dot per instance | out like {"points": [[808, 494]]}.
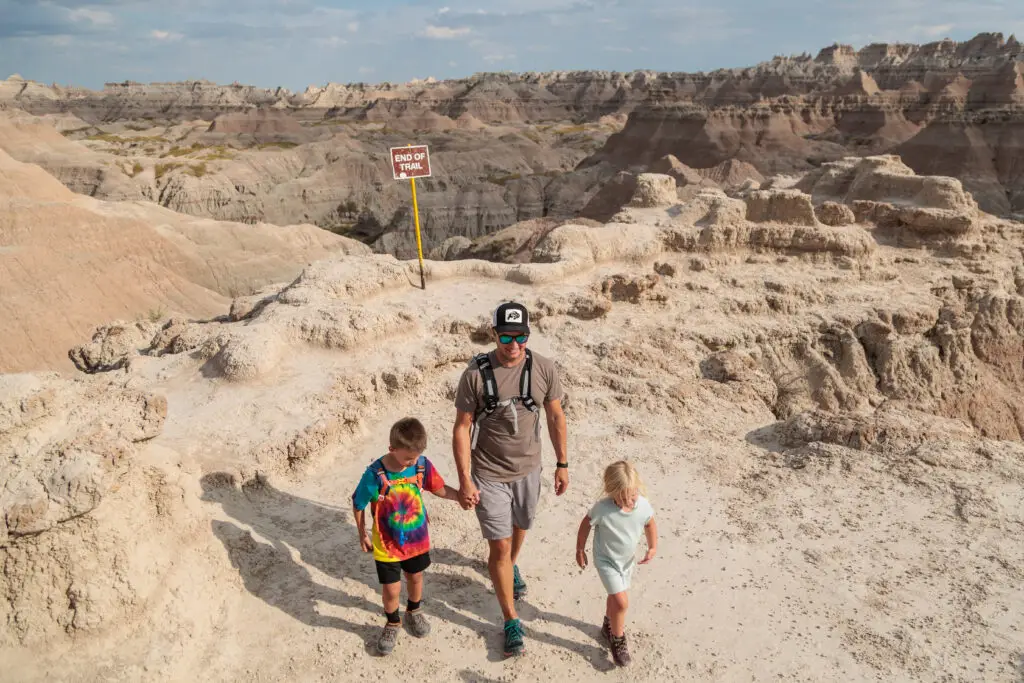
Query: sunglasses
{"points": [[507, 338]]}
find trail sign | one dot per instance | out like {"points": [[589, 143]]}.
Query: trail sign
{"points": [[410, 162]]}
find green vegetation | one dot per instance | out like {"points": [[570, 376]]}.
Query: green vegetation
{"points": [[121, 140], [502, 179], [136, 169], [279, 144], [197, 170], [570, 130], [164, 169]]}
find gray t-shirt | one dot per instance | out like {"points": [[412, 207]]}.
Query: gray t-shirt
{"points": [[617, 533], [500, 455]]}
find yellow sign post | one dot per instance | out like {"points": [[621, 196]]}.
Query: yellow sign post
{"points": [[419, 242], [410, 163]]}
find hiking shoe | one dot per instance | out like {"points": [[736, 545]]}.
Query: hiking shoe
{"points": [[518, 585], [418, 624], [514, 638], [388, 638], [620, 651]]}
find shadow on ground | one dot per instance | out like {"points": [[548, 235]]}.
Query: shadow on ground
{"points": [[301, 533]]}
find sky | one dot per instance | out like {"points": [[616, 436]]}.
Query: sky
{"points": [[298, 43]]}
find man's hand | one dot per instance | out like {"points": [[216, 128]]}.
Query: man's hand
{"points": [[581, 558], [561, 480], [469, 495], [648, 557], [365, 542]]}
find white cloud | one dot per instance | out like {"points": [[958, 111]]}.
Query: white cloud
{"points": [[353, 26], [366, 70], [445, 32], [498, 58], [165, 35], [444, 10], [934, 31], [97, 17], [626, 50]]}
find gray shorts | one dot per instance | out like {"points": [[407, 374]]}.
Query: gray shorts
{"points": [[503, 505]]}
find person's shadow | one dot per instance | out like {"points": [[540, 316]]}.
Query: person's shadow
{"points": [[325, 538]]}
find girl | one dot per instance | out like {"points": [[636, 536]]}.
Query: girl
{"points": [[618, 518]]}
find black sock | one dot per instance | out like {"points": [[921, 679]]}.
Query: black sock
{"points": [[411, 606], [393, 617]]}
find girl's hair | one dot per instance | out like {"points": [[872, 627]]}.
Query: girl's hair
{"points": [[622, 476]]}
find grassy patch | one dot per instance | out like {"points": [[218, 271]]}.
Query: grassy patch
{"points": [[218, 152], [164, 169], [122, 140], [279, 145], [197, 170], [502, 179]]}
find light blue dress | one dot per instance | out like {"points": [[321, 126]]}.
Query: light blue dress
{"points": [[616, 535]]}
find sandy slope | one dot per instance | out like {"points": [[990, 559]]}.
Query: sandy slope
{"points": [[69, 263]]}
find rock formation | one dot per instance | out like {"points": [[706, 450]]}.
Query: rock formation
{"points": [[537, 145], [814, 406]]}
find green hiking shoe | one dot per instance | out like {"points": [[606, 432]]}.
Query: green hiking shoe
{"points": [[514, 644], [518, 585]]}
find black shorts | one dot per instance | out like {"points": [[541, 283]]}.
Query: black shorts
{"points": [[391, 572]]}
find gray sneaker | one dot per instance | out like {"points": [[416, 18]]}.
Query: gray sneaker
{"points": [[418, 624], [388, 638]]}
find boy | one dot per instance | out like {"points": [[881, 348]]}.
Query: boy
{"points": [[393, 486]]}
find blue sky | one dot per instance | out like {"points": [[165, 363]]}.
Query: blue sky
{"points": [[296, 43]]}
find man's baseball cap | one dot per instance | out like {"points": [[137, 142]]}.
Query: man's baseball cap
{"points": [[511, 317]]}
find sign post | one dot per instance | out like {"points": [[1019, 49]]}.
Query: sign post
{"points": [[410, 163]]}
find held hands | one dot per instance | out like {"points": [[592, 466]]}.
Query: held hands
{"points": [[469, 495]]}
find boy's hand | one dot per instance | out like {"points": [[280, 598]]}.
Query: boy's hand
{"points": [[648, 557], [581, 558], [366, 543]]}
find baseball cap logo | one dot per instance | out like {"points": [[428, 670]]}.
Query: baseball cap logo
{"points": [[513, 316]]}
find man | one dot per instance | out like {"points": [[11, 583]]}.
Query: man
{"points": [[497, 449]]}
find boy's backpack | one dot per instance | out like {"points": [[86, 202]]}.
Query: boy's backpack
{"points": [[384, 485], [491, 402]]}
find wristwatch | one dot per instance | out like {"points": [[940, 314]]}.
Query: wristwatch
{"points": [[563, 465]]}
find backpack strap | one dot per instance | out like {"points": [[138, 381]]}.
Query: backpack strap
{"points": [[382, 478], [490, 385], [421, 468], [525, 383]]}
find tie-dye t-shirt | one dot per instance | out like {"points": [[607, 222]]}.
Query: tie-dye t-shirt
{"points": [[400, 525]]}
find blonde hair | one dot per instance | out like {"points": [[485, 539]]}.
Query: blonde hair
{"points": [[622, 476]]}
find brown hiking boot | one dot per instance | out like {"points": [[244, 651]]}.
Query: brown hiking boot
{"points": [[620, 652], [388, 638]]}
